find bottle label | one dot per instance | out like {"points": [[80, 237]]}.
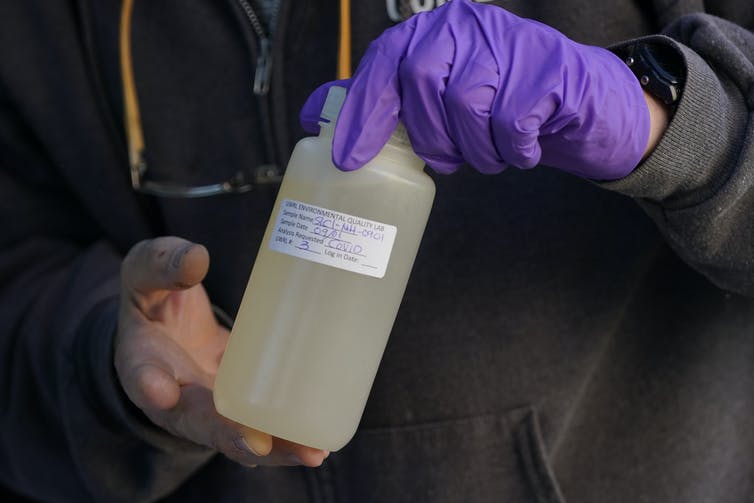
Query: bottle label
{"points": [[332, 238]]}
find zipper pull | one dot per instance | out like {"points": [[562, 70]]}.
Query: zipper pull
{"points": [[263, 72]]}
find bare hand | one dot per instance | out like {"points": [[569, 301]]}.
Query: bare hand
{"points": [[168, 348]]}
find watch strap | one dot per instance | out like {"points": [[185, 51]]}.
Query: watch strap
{"points": [[658, 68]]}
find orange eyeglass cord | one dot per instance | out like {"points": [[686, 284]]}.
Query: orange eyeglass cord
{"points": [[131, 104], [344, 41]]}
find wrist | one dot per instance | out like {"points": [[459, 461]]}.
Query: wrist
{"points": [[659, 117], [660, 71]]}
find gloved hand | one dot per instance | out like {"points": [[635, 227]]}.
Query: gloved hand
{"points": [[168, 348], [475, 83]]}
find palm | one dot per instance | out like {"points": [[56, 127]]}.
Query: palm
{"points": [[186, 332], [168, 348]]}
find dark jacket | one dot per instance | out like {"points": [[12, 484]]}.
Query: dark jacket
{"points": [[559, 340]]}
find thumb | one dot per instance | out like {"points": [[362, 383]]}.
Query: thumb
{"points": [[164, 263], [150, 386]]}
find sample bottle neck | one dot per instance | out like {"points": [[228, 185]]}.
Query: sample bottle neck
{"points": [[396, 149]]}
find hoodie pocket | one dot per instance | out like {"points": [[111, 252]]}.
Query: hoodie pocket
{"points": [[491, 458]]}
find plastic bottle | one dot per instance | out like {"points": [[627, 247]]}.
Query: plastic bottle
{"points": [[324, 290]]}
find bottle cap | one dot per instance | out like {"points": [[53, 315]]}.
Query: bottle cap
{"points": [[336, 95]]}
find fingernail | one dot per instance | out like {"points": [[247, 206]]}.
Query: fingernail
{"points": [[257, 443], [242, 445], [295, 459], [179, 253]]}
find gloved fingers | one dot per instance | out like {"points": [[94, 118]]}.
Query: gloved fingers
{"points": [[474, 83], [601, 131], [309, 117], [518, 114], [517, 140], [468, 102], [164, 263], [428, 52], [370, 111], [527, 97], [369, 114], [423, 76]]}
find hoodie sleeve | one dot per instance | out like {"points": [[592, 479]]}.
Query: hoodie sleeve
{"points": [[698, 184], [67, 431]]}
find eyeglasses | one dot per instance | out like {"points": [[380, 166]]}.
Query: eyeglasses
{"points": [[241, 182]]}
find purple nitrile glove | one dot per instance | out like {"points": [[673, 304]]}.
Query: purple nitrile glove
{"points": [[475, 83]]}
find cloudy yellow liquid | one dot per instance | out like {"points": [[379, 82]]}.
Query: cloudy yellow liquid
{"points": [[308, 337]]}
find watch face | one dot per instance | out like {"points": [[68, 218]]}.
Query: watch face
{"points": [[659, 69], [665, 61]]}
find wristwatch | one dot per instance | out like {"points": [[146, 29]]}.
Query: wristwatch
{"points": [[659, 69]]}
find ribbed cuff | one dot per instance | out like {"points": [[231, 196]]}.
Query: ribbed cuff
{"points": [[694, 155]]}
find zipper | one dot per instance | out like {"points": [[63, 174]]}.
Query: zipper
{"points": [[259, 42], [263, 70]]}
